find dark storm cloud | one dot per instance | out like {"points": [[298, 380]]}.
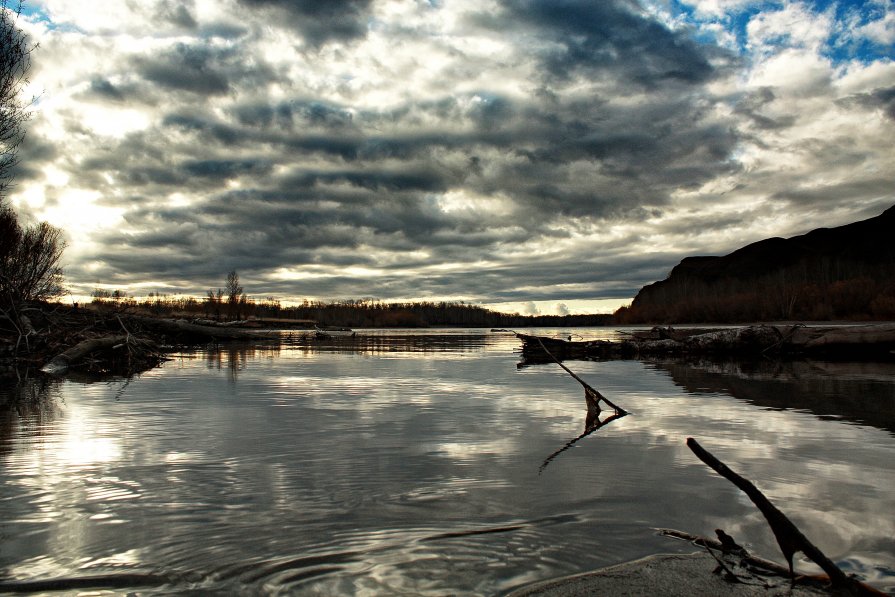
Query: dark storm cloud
{"points": [[752, 105], [31, 153], [825, 194], [208, 129], [187, 68], [173, 253], [228, 31], [202, 69], [271, 158], [225, 169], [589, 37], [139, 176], [178, 14], [103, 88], [323, 217], [379, 180], [298, 112], [320, 21], [883, 99]]}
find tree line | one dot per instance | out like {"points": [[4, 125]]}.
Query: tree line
{"points": [[232, 303]]}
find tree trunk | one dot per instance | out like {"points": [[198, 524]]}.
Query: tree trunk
{"points": [[61, 362]]}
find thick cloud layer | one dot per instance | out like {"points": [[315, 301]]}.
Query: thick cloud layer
{"points": [[510, 151]]}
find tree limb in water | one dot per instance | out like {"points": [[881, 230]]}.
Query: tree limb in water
{"points": [[789, 537], [708, 542], [588, 391]]}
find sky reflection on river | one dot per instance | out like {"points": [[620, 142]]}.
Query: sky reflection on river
{"points": [[418, 466]]}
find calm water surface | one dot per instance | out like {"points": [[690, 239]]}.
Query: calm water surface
{"points": [[413, 463]]}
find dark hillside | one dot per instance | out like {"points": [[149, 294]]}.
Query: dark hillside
{"points": [[846, 272]]}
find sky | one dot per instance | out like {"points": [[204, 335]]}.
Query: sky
{"points": [[538, 156]]}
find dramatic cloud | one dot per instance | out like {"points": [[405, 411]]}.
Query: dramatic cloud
{"points": [[513, 151]]}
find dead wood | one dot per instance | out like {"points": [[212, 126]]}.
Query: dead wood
{"points": [[589, 392], [27, 327], [59, 337], [179, 328], [818, 338], [789, 537], [61, 362], [747, 558]]}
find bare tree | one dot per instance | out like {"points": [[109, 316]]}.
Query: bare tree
{"points": [[15, 62], [29, 259], [29, 256], [236, 298], [232, 289]]}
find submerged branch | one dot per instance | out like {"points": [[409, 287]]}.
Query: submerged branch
{"points": [[789, 537], [589, 391]]}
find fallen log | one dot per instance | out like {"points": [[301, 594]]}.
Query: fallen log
{"points": [[789, 537], [140, 348], [826, 338], [180, 328], [61, 362]]}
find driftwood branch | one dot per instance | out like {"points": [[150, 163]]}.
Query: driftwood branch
{"points": [[588, 390], [761, 564], [789, 537]]}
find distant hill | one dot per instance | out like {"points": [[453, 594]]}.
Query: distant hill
{"points": [[846, 272]]}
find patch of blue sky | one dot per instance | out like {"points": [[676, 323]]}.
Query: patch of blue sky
{"points": [[33, 11], [36, 13], [847, 43], [734, 22], [739, 22], [843, 45], [843, 8]]}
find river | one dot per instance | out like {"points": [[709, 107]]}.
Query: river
{"points": [[428, 463]]}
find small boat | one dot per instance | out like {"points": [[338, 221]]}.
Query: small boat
{"points": [[327, 333]]}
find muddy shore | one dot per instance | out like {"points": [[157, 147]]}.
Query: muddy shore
{"points": [[670, 575]]}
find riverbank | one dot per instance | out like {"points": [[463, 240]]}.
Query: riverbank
{"points": [[56, 338], [122, 342], [791, 341]]}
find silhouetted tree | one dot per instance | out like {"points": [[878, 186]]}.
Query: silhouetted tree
{"points": [[236, 298], [232, 289], [15, 62], [213, 301], [29, 259]]}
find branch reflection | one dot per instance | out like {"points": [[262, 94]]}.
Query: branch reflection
{"points": [[592, 422]]}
